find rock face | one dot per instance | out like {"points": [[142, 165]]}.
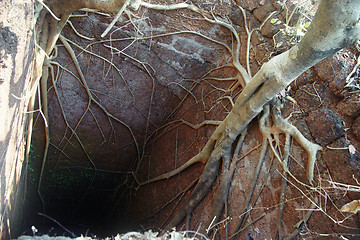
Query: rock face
{"points": [[336, 69], [356, 127], [16, 58], [138, 88], [100, 125], [326, 125], [350, 106]]}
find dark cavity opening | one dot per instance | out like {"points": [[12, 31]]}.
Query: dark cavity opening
{"points": [[78, 197]]}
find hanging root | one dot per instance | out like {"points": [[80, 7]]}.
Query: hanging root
{"points": [[245, 211], [310, 148], [218, 152], [202, 187], [283, 187], [229, 167]]}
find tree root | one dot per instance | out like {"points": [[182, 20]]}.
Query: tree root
{"points": [[201, 189], [302, 223], [310, 147], [201, 157], [262, 156], [261, 89], [221, 152], [283, 188], [225, 181], [257, 92]]}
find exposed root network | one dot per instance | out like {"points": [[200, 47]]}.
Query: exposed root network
{"points": [[222, 151]]}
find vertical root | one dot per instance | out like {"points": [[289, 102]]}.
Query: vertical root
{"points": [[257, 171], [283, 188], [310, 148], [205, 182], [225, 181]]}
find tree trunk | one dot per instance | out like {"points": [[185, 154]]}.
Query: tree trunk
{"points": [[336, 25]]}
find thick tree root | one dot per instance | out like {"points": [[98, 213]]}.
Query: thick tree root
{"points": [[212, 167], [262, 156], [203, 186], [225, 181], [310, 148]]}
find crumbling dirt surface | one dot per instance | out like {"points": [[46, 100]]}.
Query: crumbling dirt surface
{"points": [[161, 84], [16, 49]]}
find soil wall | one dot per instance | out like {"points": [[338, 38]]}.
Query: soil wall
{"points": [[16, 49]]}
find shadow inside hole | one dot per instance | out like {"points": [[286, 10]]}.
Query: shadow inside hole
{"points": [[82, 200]]}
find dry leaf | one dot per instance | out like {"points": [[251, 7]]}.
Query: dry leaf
{"points": [[351, 207]]}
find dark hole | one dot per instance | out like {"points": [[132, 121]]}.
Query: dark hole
{"points": [[75, 200]]}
